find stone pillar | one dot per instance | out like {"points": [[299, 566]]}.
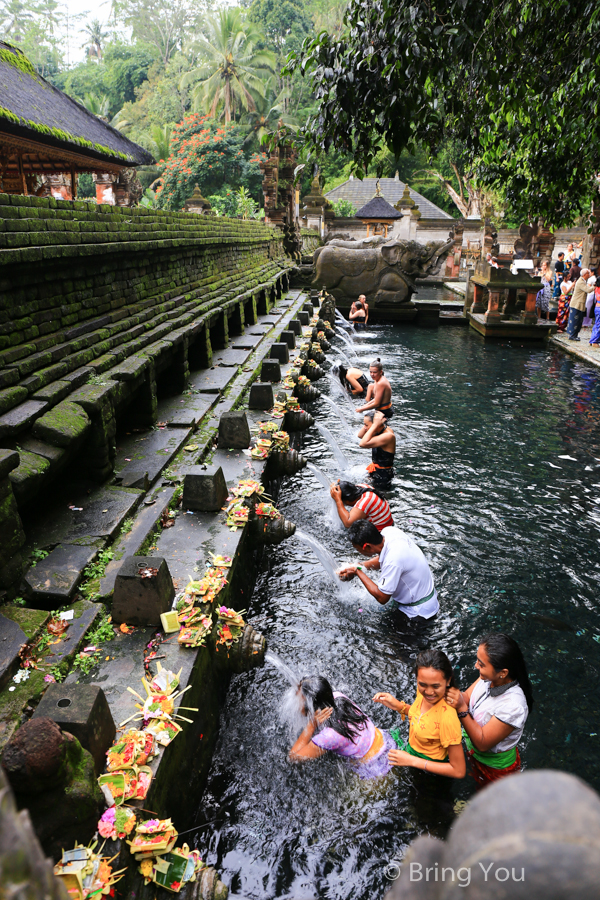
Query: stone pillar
{"points": [[478, 299], [58, 186], [529, 314], [105, 188], [493, 313]]}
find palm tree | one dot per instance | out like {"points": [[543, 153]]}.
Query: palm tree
{"points": [[96, 104], [158, 141], [49, 10], [268, 110], [231, 70], [15, 18], [95, 38]]}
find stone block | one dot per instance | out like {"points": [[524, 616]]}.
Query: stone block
{"points": [[303, 318], [143, 590], [83, 711], [12, 638], [270, 370], [204, 489], [29, 476], [9, 460], [261, 396], [289, 338], [280, 352], [296, 326], [21, 417], [65, 424], [54, 579], [234, 431], [308, 308]]}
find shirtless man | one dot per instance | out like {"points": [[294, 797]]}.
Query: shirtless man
{"points": [[378, 437], [379, 394], [362, 299]]}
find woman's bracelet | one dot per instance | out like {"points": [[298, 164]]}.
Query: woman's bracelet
{"points": [[461, 715], [425, 766]]}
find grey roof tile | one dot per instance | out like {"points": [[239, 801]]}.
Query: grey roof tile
{"points": [[360, 192]]}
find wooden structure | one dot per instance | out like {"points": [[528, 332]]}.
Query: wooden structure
{"points": [[378, 214], [47, 139]]}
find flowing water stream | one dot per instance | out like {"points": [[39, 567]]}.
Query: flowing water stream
{"points": [[498, 480]]}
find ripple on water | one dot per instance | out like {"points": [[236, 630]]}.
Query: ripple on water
{"points": [[511, 532]]}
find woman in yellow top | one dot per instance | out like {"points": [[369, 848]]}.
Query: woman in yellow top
{"points": [[435, 738]]}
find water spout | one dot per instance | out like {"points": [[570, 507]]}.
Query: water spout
{"points": [[343, 355], [346, 340], [285, 670], [327, 560], [342, 321], [348, 431], [325, 481], [335, 447]]}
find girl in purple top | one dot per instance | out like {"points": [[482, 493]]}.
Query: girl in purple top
{"points": [[349, 732]]}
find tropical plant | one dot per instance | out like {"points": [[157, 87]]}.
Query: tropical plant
{"points": [[158, 141], [15, 16], [99, 105], [247, 207], [344, 208], [163, 25], [96, 37], [268, 110], [232, 70]]}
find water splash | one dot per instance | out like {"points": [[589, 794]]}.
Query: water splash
{"points": [[337, 451], [342, 321], [343, 355], [327, 559], [346, 340], [348, 431]]}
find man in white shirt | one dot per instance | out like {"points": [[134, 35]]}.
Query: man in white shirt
{"points": [[405, 573]]}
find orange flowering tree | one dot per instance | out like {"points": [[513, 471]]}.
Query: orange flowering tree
{"points": [[211, 155]]}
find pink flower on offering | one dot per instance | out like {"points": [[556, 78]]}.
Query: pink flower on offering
{"points": [[106, 825]]}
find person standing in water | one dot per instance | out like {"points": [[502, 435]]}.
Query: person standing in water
{"points": [[379, 394], [377, 436], [358, 316], [348, 733], [353, 380], [493, 711], [366, 502], [405, 574], [363, 300], [435, 739]]}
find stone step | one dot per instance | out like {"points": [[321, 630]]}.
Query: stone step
{"points": [[142, 457], [54, 580]]}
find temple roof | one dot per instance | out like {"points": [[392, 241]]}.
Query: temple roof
{"points": [[360, 192], [31, 108], [378, 208]]}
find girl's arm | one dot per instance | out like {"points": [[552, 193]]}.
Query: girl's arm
{"points": [[304, 747], [483, 737], [388, 700], [456, 767]]}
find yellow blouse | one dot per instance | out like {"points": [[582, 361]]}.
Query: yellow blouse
{"points": [[432, 732]]}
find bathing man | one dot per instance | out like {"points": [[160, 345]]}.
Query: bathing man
{"points": [[379, 394], [406, 576]]}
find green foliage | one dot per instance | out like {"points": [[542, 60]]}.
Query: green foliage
{"points": [[284, 23], [93, 573], [247, 208], [86, 189], [57, 673], [344, 208], [488, 75], [37, 556], [232, 68], [212, 155], [224, 201], [102, 632]]}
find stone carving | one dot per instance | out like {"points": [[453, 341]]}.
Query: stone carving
{"points": [[517, 825], [385, 271], [535, 242]]}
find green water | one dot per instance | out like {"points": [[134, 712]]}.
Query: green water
{"points": [[511, 531]]}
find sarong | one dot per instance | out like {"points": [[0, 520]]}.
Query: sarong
{"points": [[484, 774], [377, 765], [562, 316], [401, 744]]}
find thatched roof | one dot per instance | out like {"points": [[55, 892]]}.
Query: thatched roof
{"points": [[378, 208], [31, 108]]}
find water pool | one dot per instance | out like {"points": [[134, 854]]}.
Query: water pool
{"points": [[511, 530]]}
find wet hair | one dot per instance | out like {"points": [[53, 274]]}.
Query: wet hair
{"points": [[352, 492], [436, 659], [376, 364], [347, 718], [341, 372], [358, 305], [505, 653], [363, 532]]}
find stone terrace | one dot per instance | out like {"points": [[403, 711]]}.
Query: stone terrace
{"points": [[102, 310]]}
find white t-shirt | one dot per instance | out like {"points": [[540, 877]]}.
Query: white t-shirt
{"points": [[509, 706], [405, 574]]}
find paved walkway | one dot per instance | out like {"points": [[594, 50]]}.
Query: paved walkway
{"points": [[580, 349]]}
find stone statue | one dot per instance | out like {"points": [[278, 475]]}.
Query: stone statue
{"points": [[384, 270], [533, 836]]}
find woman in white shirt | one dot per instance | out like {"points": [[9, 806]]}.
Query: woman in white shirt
{"points": [[493, 711]]}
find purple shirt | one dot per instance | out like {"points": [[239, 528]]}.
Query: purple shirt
{"points": [[329, 739]]}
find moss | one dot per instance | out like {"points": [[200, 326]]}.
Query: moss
{"points": [[64, 136], [30, 620], [17, 58]]}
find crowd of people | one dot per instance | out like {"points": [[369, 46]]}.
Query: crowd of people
{"points": [[487, 719], [576, 293]]}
